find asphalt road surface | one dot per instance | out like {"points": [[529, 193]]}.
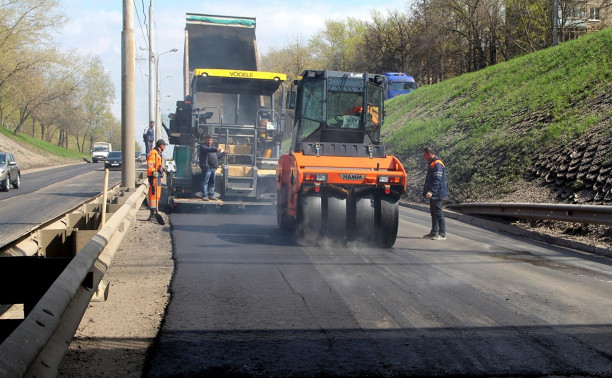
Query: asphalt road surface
{"points": [[248, 300], [48, 193]]}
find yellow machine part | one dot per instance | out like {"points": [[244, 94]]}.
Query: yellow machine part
{"points": [[240, 170]]}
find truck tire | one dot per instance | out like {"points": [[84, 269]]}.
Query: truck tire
{"points": [[170, 204], [387, 223], [164, 202], [363, 220], [283, 219]]}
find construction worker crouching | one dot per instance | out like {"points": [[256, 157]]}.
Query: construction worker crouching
{"points": [[155, 172]]}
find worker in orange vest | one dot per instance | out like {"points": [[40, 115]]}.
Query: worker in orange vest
{"points": [[435, 190], [356, 110], [155, 172]]}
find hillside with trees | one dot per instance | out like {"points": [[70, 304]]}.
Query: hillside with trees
{"points": [[504, 107], [515, 119]]}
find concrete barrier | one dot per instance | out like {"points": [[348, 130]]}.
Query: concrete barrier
{"points": [[37, 345]]}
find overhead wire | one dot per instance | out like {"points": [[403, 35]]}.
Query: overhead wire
{"points": [[145, 32]]}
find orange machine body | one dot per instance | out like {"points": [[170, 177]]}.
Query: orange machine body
{"points": [[343, 174]]}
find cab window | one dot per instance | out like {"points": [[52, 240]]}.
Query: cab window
{"points": [[311, 108]]}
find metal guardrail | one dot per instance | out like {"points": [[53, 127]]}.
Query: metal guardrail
{"points": [[36, 347], [594, 214], [81, 219]]}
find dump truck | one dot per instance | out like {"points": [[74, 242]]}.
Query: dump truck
{"points": [[337, 180], [227, 98]]}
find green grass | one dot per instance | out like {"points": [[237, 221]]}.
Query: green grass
{"points": [[43, 146], [505, 111]]}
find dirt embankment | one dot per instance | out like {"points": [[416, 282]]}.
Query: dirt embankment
{"points": [[29, 157], [576, 170]]}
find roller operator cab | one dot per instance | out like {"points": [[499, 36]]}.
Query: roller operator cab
{"points": [[337, 181]]}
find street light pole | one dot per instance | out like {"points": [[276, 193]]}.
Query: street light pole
{"points": [[128, 95], [151, 63], [158, 120]]}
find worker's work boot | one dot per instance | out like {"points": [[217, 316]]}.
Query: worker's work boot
{"points": [[152, 216]]}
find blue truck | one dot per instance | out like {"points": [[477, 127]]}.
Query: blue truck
{"points": [[398, 83]]}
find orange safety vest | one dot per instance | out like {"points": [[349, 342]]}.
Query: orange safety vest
{"points": [[373, 114], [154, 161], [433, 163]]}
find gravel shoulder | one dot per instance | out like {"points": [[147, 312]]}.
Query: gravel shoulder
{"points": [[114, 336]]}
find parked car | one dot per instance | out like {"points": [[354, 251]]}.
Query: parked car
{"points": [[113, 161], [10, 174], [140, 157]]}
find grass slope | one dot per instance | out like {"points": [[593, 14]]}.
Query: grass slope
{"points": [[490, 126], [42, 146]]}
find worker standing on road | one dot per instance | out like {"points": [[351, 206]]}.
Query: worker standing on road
{"points": [[209, 162], [148, 137], [155, 172], [435, 191]]}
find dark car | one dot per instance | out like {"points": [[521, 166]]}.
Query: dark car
{"points": [[113, 161], [141, 157], [10, 174]]}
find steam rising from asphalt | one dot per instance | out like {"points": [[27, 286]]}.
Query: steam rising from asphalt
{"points": [[318, 240]]}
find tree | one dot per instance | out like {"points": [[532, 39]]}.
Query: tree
{"points": [[528, 26], [96, 94], [111, 127], [50, 84], [292, 59], [23, 24], [386, 43], [434, 50], [335, 47]]}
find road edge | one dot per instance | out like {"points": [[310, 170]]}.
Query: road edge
{"points": [[514, 230]]}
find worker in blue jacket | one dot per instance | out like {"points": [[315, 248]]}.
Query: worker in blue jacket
{"points": [[148, 136], [435, 191], [209, 156]]}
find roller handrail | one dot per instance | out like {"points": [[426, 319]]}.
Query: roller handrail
{"points": [[594, 214], [37, 345]]}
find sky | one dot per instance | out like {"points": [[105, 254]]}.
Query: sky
{"points": [[94, 28]]}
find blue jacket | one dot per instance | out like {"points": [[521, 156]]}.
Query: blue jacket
{"points": [[435, 181], [209, 157], [149, 134]]}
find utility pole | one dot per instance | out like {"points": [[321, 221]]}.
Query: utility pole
{"points": [[158, 120], [151, 77], [128, 96]]}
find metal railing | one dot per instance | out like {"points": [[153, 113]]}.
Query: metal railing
{"points": [[595, 214], [36, 347]]}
